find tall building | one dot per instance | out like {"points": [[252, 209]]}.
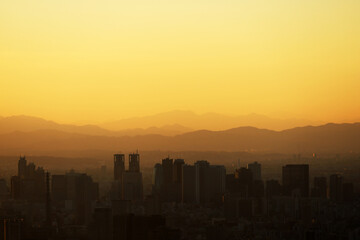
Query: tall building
{"points": [[134, 162], [255, 169], [244, 181], [177, 178], [132, 186], [167, 166], [157, 177], [119, 166], [75, 192], [209, 182], [30, 182], [336, 188], [168, 190], [103, 224], [22, 167], [295, 180], [188, 184]]}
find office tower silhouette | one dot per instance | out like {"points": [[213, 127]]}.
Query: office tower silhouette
{"points": [[76, 191], [134, 162], [30, 182], [255, 168], [177, 178], [157, 177], [244, 181], [168, 189], [132, 186], [210, 182], [119, 166], [336, 188], [22, 167], [188, 184]]}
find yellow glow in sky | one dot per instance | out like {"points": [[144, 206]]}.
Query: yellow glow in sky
{"points": [[92, 61]]}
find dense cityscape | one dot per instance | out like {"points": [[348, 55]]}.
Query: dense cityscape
{"points": [[186, 201]]}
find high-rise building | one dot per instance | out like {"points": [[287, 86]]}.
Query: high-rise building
{"points": [[295, 180], [210, 182], [119, 166], [178, 163], [132, 186], [177, 178], [244, 181], [131, 183], [188, 184], [336, 188], [157, 177], [255, 169], [30, 182], [168, 190], [167, 166], [22, 167], [134, 162], [77, 193], [103, 224]]}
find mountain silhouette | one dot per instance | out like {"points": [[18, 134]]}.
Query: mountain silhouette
{"points": [[329, 138], [28, 124], [210, 121]]}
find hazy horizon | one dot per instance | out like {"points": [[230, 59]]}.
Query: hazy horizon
{"points": [[179, 111], [93, 62]]}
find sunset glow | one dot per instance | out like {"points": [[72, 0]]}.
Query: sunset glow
{"points": [[95, 61]]}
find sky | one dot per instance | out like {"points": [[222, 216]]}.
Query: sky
{"points": [[95, 61]]}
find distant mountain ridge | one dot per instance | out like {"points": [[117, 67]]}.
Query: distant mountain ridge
{"points": [[28, 124], [210, 121], [328, 138]]}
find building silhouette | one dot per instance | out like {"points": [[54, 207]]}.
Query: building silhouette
{"points": [[336, 188], [134, 162], [119, 166], [29, 184], [255, 168], [75, 192]]}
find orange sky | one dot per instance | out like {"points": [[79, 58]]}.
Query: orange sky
{"points": [[94, 61]]}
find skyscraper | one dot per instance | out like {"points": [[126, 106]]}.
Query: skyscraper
{"points": [[131, 183], [132, 186], [177, 177], [255, 169], [295, 179], [209, 182], [134, 162], [22, 167], [168, 189], [336, 188], [157, 177], [119, 166], [188, 184], [77, 190]]}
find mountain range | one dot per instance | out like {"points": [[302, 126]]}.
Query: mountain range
{"points": [[50, 137], [29, 124], [209, 121]]}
